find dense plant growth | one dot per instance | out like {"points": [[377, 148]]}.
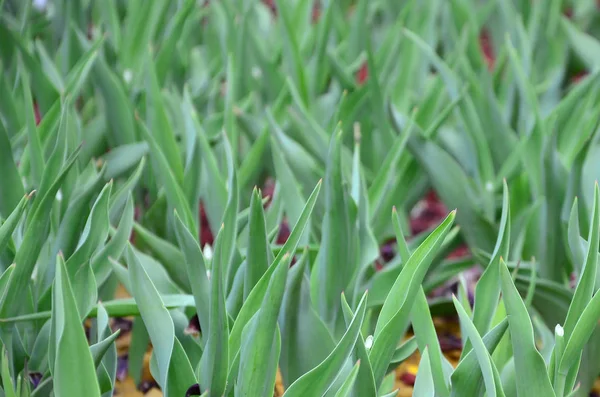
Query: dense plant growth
{"points": [[237, 166]]}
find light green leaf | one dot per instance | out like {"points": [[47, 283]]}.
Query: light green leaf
{"points": [[532, 377], [252, 303], [394, 315], [256, 376], [214, 363], [346, 389], [196, 270], [317, 381], [72, 352], [257, 259]]}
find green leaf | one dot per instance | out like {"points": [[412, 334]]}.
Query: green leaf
{"points": [[317, 381], [214, 363], [122, 158], [116, 245], [252, 303], [587, 279], [80, 71], [169, 256], [466, 378], [35, 148], [94, 232], [366, 383], [7, 383], [11, 188], [118, 109], [257, 259], [334, 267], [584, 45], [160, 126], [487, 291], [483, 356], [154, 313], [115, 308], [256, 376], [72, 352], [394, 315], [301, 326], [230, 217], [165, 55], [424, 382], [529, 365], [422, 322], [120, 197], [34, 239], [346, 389], [99, 349], [196, 270], [175, 195], [174, 369], [9, 225]]}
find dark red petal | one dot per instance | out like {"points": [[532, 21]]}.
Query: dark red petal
{"points": [[363, 74], [408, 379]]}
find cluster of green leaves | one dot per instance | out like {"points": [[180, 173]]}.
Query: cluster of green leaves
{"points": [[150, 108]]}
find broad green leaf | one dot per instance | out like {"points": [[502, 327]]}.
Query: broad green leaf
{"points": [[85, 289], [72, 352], [301, 326], [365, 386], [115, 308], [141, 24], [487, 291], [175, 195], [160, 126], [7, 383], [165, 55], [587, 278], [584, 45], [122, 158], [346, 389], [529, 365], [9, 225], [404, 351], [116, 245], [214, 363], [293, 202], [394, 315], [154, 313], [252, 303], [99, 349], [422, 322], [94, 233], [36, 156], [256, 376], [119, 198], [334, 267], [230, 217], [118, 109], [169, 256], [467, 378], [11, 188], [424, 380], [196, 270], [257, 259], [483, 356], [80, 71], [31, 246], [317, 381], [455, 189]]}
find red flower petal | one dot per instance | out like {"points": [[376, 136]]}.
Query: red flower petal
{"points": [[363, 74]]}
